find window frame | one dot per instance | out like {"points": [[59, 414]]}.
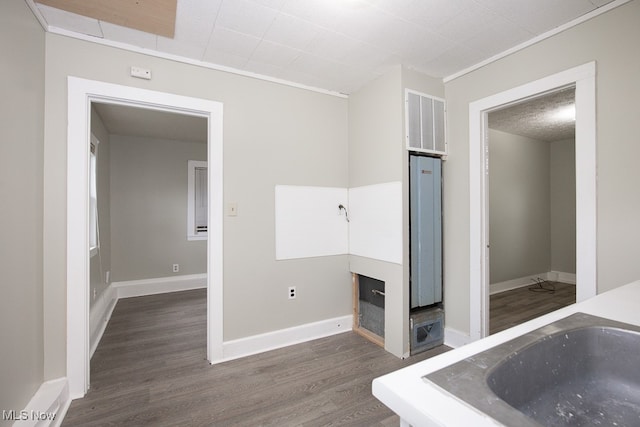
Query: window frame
{"points": [[94, 233], [192, 233]]}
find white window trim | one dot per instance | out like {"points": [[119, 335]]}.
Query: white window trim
{"points": [[93, 175], [192, 234]]}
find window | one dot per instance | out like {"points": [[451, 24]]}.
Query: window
{"points": [[94, 240], [197, 206]]}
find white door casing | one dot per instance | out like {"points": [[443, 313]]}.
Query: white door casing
{"points": [[81, 93], [583, 77]]}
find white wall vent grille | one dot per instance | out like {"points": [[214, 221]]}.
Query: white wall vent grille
{"points": [[425, 123]]}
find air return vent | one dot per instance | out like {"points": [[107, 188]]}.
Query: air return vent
{"points": [[425, 123]]}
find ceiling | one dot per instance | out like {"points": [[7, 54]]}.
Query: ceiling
{"points": [[143, 122], [336, 45], [549, 117], [151, 16]]}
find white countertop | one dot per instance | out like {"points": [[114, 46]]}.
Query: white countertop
{"points": [[421, 403]]}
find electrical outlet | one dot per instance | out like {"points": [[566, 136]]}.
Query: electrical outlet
{"points": [[176, 268], [292, 292]]}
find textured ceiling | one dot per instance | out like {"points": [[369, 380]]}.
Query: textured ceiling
{"points": [[338, 45], [543, 118]]}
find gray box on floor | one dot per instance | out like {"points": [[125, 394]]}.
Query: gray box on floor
{"points": [[427, 329]]}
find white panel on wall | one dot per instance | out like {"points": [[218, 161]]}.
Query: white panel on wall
{"points": [[309, 223], [375, 230]]}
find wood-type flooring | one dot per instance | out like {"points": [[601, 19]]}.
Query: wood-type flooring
{"points": [[514, 307], [150, 369]]}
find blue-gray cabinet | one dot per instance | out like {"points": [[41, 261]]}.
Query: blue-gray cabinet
{"points": [[425, 187]]}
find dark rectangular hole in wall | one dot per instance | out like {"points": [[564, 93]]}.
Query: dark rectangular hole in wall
{"points": [[371, 304]]}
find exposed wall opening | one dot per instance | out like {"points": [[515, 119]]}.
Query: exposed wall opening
{"points": [[368, 307]]}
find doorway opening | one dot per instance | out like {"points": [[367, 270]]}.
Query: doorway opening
{"points": [[531, 157], [81, 94], [583, 79], [138, 215]]}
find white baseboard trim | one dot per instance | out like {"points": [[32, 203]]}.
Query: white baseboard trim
{"points": [[508, 285], [454, 338], [47, 407], [255, 344], [161, 285], [99, 316], [559, 276]]}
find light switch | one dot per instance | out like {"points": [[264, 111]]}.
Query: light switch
{"points": [[232, 209]]}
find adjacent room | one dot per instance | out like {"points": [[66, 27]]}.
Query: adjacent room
{"points": [[532, 199], [289, 212], [148, 215]]}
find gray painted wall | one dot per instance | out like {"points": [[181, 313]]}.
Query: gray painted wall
{"points": [[532, 198], [611, 40], [273, 134], [22, 44], [375, 131], [563, 206], [377, 154], [520, 206], [303, 138], [149, 208]]}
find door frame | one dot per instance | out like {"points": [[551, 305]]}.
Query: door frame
{"points": [[583, 77], [81, 93]]}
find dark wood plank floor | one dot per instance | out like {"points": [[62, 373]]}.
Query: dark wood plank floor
{"points": [[150, 369], [513, 307]]}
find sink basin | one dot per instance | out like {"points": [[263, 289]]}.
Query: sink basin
{"points": [[579, 377], [581, 370]]}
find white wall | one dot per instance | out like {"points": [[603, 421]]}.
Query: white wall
{"points": [[273, 134], [611, 40], [22, 45], [148, 208]]}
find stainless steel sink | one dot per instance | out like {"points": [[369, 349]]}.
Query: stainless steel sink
{"points": [[578, 371]]}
